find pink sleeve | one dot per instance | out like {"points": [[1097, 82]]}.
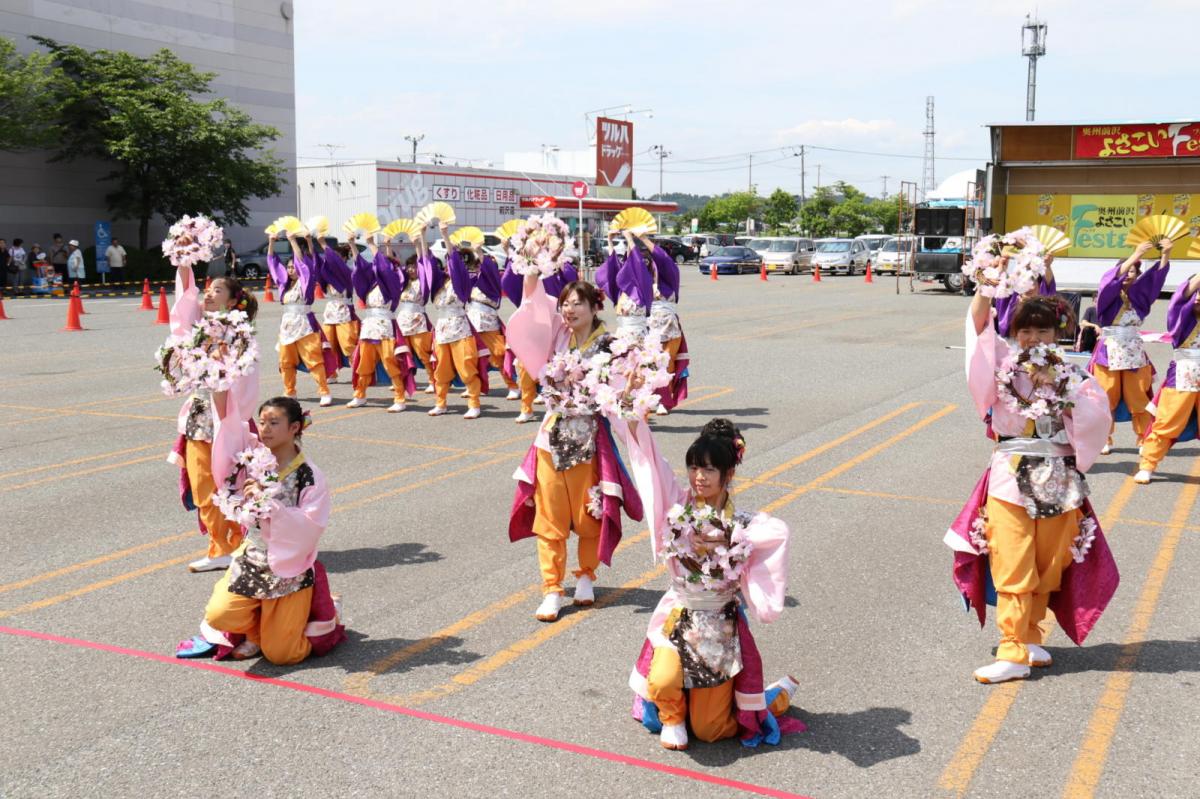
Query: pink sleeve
{"points": [[185, 311], [231, 430], [292, 534], [652, 474], [984, 351], [764, 582], [533, 330], [1088, 423]]}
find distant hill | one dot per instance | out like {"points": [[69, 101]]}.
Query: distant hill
{"points": [[686, 202]]}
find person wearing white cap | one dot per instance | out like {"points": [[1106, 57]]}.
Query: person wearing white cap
{"points": [[75, 269]]}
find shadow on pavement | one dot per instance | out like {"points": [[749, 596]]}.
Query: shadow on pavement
{"points": [[358, 652], [1156, 657], [401, 554], [731, 412], [864, 737]]}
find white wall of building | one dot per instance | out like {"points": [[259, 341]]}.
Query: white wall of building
{"points": [[248, 43], [554, 162]]}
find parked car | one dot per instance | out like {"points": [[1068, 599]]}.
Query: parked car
{"points": [[873, 242], [677, 250], [252, 264], [789, 255], [731, 260], [709, 242], [844, 256], [760, 245], [896, 255]]}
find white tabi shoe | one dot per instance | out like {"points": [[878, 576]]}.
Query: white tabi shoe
{"points": [[538, 400], [245, 650], [465, 395], [438, 410], [1039, 658], [396, 407], [512, 394], [429, 389], [674, 737], [1143, 476], [326, 400], [789, 684], [523, 418], [551, 605], [662, 410], [337, 607], [1106, 449], [357, 402], [472, 413], [1001, 671], [207, 564], [585, 592]]}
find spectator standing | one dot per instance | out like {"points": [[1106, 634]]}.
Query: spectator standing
{"points": [[19, 259], [116, 259], [7, 267], [59, 255], [230, 259], [36, 254], [75, 269]]}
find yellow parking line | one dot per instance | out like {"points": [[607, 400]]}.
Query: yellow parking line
{"points": [[87, 459], [961, 769], [83, 412], [1093, 753], [170, 539], [83, 473]]}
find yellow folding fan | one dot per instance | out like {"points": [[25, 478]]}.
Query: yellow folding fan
{"points": [[398, 227], [509, 229], [637, 221], [318, 226], [284, 225], [1053, 239], [439, 210], [364, 224], [469, 235], [1156, 228]]}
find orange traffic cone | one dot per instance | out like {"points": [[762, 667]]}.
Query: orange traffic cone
{"points": [[78, 297], [762, 272], [318, 294], [147, 302], [3, 315], [868, 278], [267, 295], [712, 272], [73, 322], [164, 315], [817, 273]]}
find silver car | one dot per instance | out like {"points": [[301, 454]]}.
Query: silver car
{"points": [[842, 256], [789, 255]]}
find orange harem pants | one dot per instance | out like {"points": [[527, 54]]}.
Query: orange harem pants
{"points": [[276, 625], [560, 504], [1132, 385], [421, 345], [494, 340], [1027, 557], [369, 354], [1174, 409], [342, 337], [224, 536], [529, 389], [460, 356], [711, 711], [307, 349]]}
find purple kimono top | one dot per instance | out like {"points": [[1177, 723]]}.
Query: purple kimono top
{"points": [[306, 275], [436, 274], [513, 285], [668, 274], [1181, 323], [634, 280], [1142, 294], [380, 273], [334, 273], [1006, 307], [487, 280], [606, 276]]}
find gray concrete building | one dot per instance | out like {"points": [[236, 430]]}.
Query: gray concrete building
{"points": [[247, 43]]}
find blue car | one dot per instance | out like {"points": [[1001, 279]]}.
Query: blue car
{"points": [[732, 261]]}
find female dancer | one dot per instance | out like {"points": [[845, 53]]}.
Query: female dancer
{"points": [[300, 337], [483, 310], [275, 599], [629, 284], [1176, 403], [511, 284], [1006, 306], [455, 348], [664, 323], [377, 284], [1028, 524], [572, 478], [339, 322], [1119, 361], [413, 321], [699, 663], [193, 451]]}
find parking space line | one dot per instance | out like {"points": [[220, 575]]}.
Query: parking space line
{"points": [[515, 650], [520, 737], [792, 328], [959, 772], [1102, 726], [86, 412], [170, 539], [19, 472], [84, 472]]}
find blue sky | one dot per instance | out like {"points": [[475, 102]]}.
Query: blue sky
{"points": [[479, 79]]}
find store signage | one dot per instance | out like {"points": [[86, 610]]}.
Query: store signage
{"points": [[614, 153], [1165, 140]]}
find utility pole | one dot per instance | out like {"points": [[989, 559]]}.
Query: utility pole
{"points": [[750, 174], [1033, 47], [818, 177], [662, 154], [885, 180], [331, 148], [414, 140], [928, 183]]}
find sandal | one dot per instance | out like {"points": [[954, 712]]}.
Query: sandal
{"points": [[195, 647]]}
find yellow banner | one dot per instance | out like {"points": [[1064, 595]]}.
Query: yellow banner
{"points": [[1098, 223]]}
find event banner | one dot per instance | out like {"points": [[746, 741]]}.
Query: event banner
{"points": [[1165, 140], [1098, 223]]}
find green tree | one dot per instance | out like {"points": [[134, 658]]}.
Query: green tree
{"points": [[729, 210], [780, 209], [28, 110], [886, 214], [815, 215], [171, 153]]}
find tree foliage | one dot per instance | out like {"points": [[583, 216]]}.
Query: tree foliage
{"points": [[780, 209], [172, 151], [28, 110]]}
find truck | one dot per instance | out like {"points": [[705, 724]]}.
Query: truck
{"points": [[945, 231]]}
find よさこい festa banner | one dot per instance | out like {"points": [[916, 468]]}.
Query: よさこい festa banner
{"points": [[1164, 140], [1098, 223]]}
